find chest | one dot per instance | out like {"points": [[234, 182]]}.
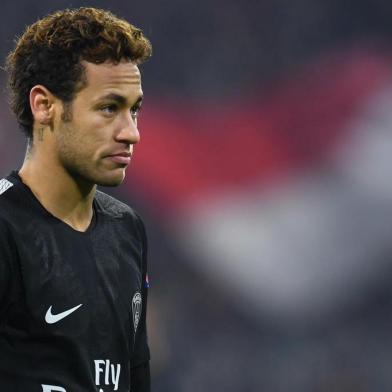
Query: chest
{"points": [[76, 286]]}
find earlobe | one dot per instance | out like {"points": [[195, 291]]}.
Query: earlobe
{"points": [[41, 104]]}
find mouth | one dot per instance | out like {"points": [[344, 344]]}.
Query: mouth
{"points": [[122, 158]]}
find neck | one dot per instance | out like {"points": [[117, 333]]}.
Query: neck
{"points": [[61, 194]]}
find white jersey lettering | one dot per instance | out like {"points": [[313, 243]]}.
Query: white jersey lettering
{"points": [[107, 373], [52, 388]]}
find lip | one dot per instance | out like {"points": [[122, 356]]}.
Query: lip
{"points": [[123, 158]]}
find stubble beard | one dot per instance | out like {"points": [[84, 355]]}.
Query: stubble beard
{"points": [[74, 161], [79, 164], [84, 171]]}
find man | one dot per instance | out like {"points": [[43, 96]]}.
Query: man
{"points": [[73, 286]]}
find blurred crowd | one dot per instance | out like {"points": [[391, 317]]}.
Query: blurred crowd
{"points": [[263, 178]]}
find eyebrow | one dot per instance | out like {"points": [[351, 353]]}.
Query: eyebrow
{"points": [[139, 101], [121, 100]]}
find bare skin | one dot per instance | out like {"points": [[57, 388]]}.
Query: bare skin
{"points": [[88, 143]]}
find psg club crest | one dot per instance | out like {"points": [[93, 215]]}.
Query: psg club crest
{"points": [[136, 309]]}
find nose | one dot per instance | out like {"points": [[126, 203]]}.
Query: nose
{"points": [[128, 132]]}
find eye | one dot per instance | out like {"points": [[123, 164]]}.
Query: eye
{"points": [[109, 109], [135, 112]]}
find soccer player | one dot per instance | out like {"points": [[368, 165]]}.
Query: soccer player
{"points": [[73, 286]]}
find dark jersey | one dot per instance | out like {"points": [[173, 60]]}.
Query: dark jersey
{"points": [[72, 304]]}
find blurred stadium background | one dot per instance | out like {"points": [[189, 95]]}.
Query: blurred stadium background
{"points": [[263, 179]]}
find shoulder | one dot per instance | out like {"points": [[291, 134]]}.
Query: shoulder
{"points": [[11, 200], [114, 209], [109, 205], [7, 190], [5, 184], [10, 208]]}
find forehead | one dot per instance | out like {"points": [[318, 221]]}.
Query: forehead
{"points": [[123, 78]]}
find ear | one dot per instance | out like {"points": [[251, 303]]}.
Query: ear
{"points": [[42, 104]]}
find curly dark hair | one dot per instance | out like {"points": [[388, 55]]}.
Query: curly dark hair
{"points": [[51, 51]]}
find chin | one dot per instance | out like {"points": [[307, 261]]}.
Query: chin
{"points": [[111, 180]]}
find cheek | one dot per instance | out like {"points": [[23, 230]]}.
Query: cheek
{"points": [[86, 137], [95, 130], [72, 145], [89, 133]]}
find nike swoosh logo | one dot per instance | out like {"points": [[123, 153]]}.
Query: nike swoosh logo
{"points": [[54, 318]]}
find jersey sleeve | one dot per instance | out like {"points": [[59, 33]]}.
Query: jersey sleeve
{"points": [[7, 255], [140, 374]]}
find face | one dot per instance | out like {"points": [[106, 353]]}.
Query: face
{"points": [[95, 136]]}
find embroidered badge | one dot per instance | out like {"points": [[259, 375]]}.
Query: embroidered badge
{"points": [[136, 309]]}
